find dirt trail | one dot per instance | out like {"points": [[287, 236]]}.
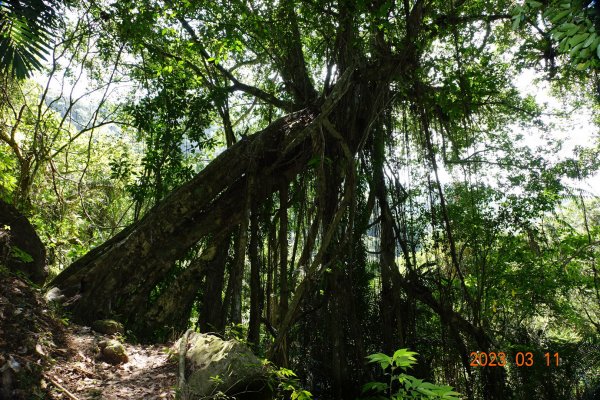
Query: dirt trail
{"points": [[78, 374], [41, 358]]}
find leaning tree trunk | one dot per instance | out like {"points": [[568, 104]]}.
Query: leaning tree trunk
{"points": [[118, 277], [120, 274]]}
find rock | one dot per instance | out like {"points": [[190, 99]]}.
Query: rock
{"points": [[214, 365], [54, 295], [108, 326], [21, 249], [113, 352]]}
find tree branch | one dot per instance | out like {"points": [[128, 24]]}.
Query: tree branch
{"points": [[237, 85]]}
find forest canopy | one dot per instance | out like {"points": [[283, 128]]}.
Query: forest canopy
{"points": [[326, 180]]}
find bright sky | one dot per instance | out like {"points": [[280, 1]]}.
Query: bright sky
{"points": [[578, 130]]}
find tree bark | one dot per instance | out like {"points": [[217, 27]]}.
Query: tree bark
{"points": [[283, 250], [237, 270], [126, 268], [171, 310], [210, 317], [118, 277], [391, 302], [255, 286]]}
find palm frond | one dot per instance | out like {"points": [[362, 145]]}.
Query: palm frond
{"points": [[25, 35]]}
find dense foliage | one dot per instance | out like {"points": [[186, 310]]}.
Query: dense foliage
{"points": [[412, 196]]}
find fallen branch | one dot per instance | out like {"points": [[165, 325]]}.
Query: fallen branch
{"points": [[61, 387]]}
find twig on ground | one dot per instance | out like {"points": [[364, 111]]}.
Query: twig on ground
{"points": [[61, 387]]}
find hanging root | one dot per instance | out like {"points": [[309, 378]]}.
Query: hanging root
{"points": [[182, 351]]}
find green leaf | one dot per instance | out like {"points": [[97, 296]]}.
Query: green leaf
{"points": [[573, 30], [301, 395], [578, 38], [534, 4], [430, 386], [575, 49], [380, 358], [590, 40], [451, 395], [20, 254], [560, 16], [567, 26], [426, 392], [404, 353], [516, 22], [404, 358], [286, 372], [374, 386]]}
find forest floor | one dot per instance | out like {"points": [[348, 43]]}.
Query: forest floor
{"points": [[44, 357], [147, 375]]}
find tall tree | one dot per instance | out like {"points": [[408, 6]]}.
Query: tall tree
{"points": [[325, 86]]}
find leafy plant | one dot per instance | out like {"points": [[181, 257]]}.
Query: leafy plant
{"points": [[401, 385], [238, 332], [285, 383], [573, 26], [20, 254], [25, 35]]}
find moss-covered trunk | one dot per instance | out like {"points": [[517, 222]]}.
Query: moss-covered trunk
{"points": [[117, 277]]}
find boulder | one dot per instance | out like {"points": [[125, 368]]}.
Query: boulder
{"points": [[21, 250], [215, 365], [108, 326], [54, 295], [113, 352]]}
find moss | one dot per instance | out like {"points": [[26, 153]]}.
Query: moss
{"points": [[113, 352], [108, 326]]}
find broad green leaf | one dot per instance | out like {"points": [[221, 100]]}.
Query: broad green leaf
{"points": [[573, 30], [380, 358], [426, 392], [560, 16], [590, 40], [575, 49], [516, 22], [376, 386], [578, 38]]}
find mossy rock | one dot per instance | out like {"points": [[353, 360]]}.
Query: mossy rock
{"points": [[108, 326], [113, 352], [214, 365]]}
